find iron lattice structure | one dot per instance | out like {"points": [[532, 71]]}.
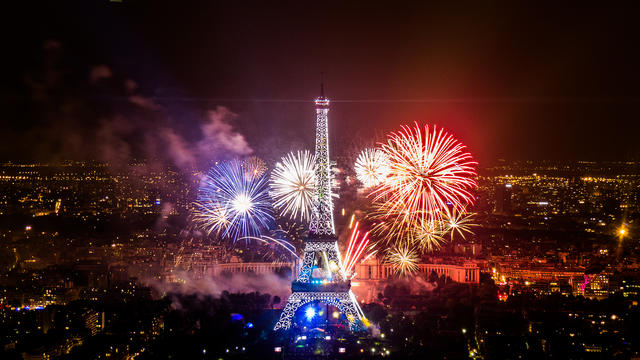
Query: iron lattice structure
{"points": [[345, 301], [321, 277], [322, 214], [312, 248]]}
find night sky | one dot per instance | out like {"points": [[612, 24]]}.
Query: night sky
{"points": [[112, 80]]}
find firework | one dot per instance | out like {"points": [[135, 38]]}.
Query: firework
{"points": [[458, 222], [293, 231], [232, 204], [371, 167], [355, 248], [423, 234], [284, 244], [211, 216], [292, 184], [403, 258], [427, 172], [428, 234], [254, 166]]}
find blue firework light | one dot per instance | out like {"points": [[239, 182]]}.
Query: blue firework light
{"points": [[231, 204]]}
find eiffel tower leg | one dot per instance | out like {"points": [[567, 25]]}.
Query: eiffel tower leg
{"points": [[288, 312], [349, 308], [345, 301]]}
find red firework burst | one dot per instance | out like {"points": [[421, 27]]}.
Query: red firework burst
{"points": [[355, 248], [429, 171]]}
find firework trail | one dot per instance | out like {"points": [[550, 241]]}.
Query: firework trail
{"points": [[403, 258], [294, 232], [292, 184], [428, 233], [371, 167], [355, 248], [287, 246], [429, 171], [232, 204]]}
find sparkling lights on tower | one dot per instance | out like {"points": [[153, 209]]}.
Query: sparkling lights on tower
{"points": [[322, 278], [322, 214]]}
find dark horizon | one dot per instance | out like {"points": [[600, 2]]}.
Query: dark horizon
{"points": [[515, 82]]}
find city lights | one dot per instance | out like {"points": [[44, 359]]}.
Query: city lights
{"points": [[170, 190], [622, 231]]}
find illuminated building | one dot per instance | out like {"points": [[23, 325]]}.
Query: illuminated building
{"points": [[94, 321], [538, 274], [595, 286], [371, 275], [249, 267]]}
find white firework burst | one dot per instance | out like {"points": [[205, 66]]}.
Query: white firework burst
{"points": [[459, 222], [372, 167], [429, 235], [403, 258], [292, 184]]}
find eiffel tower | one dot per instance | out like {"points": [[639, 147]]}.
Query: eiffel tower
{"points": [[322, 278]]}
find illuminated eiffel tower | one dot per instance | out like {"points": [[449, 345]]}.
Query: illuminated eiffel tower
{"points": [[322, 278]]}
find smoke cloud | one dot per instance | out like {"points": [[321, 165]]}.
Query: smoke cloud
{"points": [[146, 132], [219, 136], [99, 72], [96, 113], [214, 286]]}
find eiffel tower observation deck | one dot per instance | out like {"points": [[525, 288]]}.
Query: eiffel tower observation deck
{"points": [[322, 283]]}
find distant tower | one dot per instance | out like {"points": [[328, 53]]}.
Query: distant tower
{"points": [[321, 278]]}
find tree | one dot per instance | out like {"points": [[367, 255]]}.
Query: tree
{"points": [[375, 312], [276, 301], [433, 277]]}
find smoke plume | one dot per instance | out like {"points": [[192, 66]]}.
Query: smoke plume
{"points": [[93, 112], [214, 286]]}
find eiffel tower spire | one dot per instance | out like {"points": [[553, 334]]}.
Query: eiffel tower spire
{"points": [[322, 212], [322, 278]]}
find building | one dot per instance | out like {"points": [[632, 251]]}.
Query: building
{"points": [[250, 267], [93, 321], [371, 275], [374, 269]]}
